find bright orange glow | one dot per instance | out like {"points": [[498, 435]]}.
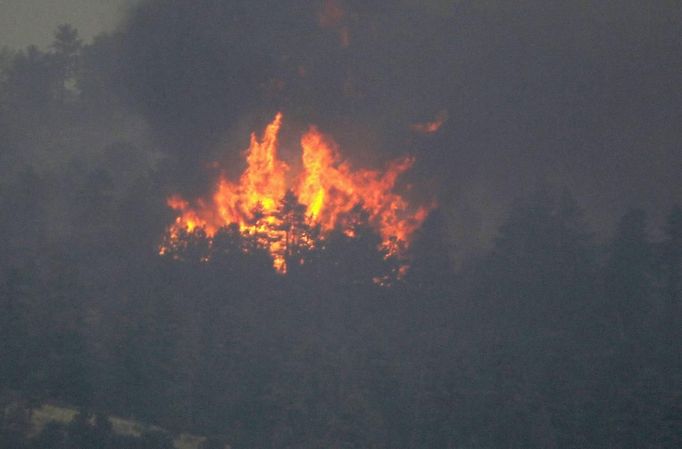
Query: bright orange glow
{"points": [[330, 188], [327, 187], [432, 126]]}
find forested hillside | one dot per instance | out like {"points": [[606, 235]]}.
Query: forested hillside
{"points": [[551, 336]]}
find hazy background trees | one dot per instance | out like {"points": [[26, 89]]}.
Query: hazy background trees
{"points": [[551, 338]]}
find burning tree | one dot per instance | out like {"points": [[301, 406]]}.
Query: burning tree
{"points": [[288, 219]]}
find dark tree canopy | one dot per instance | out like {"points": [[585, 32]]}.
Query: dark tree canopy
{"points": [[552, 336]]}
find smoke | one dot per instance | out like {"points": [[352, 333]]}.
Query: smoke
{"points": [[578, 94], [198, 69], [195, 68]]}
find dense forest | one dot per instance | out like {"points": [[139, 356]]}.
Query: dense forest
{"points": [[553, 337]]}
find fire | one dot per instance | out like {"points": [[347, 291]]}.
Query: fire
{"points": [[432, 126], [327, 189], [330, 189]]}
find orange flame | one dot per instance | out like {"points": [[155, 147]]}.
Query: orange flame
{"points": [[432, 126], [327, 187]]}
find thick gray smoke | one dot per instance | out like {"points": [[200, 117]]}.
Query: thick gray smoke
{"points": [[582, 95]]}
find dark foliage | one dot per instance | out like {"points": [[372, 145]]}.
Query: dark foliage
{"points": [[547, 340]]}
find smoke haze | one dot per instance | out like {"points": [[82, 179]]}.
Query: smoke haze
{"points": [[490, 258], [581, 94]]}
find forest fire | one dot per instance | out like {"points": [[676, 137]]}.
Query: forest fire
{"points": [[323, 196]]}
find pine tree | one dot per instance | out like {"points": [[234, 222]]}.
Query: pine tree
{"points": [[299, 236], [67, 46]]}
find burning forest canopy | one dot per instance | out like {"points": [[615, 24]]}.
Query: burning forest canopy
{"points": [[285, 213], [517, 325]]}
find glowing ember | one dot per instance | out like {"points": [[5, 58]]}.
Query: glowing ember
{"points": [[432, 126], [327, 189]]}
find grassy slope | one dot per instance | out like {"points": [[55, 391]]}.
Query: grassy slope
{"points": [[52, 413]]}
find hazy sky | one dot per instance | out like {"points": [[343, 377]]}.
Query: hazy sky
{"points": [[25, 22]]}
